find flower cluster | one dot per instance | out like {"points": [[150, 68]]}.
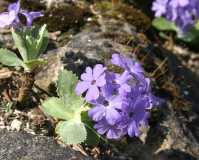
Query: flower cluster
{"points": [[119, 107], [184, 13], [11, 18]]}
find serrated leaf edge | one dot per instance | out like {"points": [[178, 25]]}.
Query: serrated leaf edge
{"points": [[79, 141], [24, 65], [23, 55], [60, 100], [58, 79], [40, 40]]}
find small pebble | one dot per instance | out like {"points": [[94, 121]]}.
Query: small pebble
{"points": [[16, 124], [2, 127], [186, 93], [17, 112], [90, 19], [9, 128], [28, 130]]}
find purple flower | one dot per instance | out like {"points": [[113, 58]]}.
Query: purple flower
{"points": [[134, 115], [107, 106], [8, 18], [171, 13], [159, 6], [133, 68], [119, 82], [30, 16], [183, 12], [111, 130], [91, 81], [144, 90], [153, 98], [176, 3]]}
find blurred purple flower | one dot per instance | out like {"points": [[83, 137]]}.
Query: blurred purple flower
{"points": [[184, 13], [8, 18], [91, 81], [30, 16], [171, 13], [159, 6], [176, 3], [133, 68]]}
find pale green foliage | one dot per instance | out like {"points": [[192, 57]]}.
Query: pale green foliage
{"points": [[30, 45], [44, 40], [56, 108], [66, 90], [8, 109], [58, 126], [72, 132], [163, 24], [69, 107], [35, 42], [75, 125], [20, 45], [31, 64], [9, 58]]}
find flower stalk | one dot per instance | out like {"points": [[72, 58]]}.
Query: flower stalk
{"points": [[26, 86]]}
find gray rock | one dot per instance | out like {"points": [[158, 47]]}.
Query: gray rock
{"points": [[168, 138], [24, 146]]}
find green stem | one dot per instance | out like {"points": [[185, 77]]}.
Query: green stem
{"points": [[26, 86]]}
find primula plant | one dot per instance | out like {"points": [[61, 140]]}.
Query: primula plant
{"points": [[117, 107], [31, 43], [177, 15]]}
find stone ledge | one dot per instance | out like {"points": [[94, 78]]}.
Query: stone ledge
{"points": [[24, 146]]}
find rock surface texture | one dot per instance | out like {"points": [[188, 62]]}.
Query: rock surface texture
{"points": [[24, 146]]}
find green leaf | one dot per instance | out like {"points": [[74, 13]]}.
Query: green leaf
{"points": [[35, 33], [92, 136], [85, 117], [30, 44], [41, 41], [10, 59], [66, 85], [78, 111], [101, 136], [20, 45], [58, 126], [56, 108], [73, 132], [10, 105], [30, 64], [189, 36], [163, 24], [9, 111], [4, 107], [163, 35]]}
